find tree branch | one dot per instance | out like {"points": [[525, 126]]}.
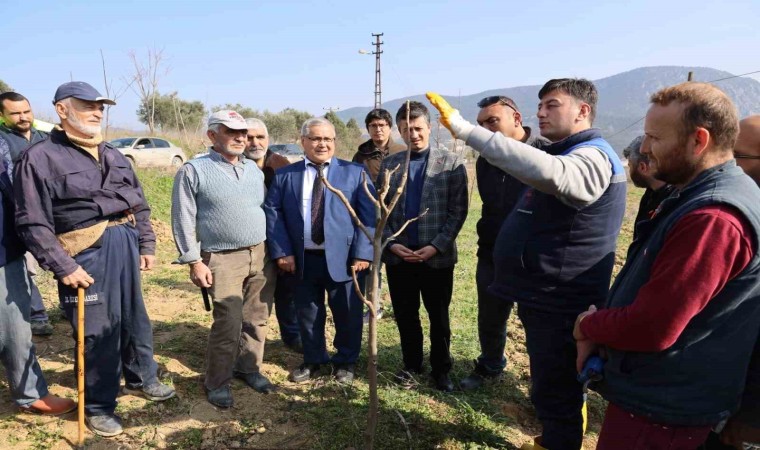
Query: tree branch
{"points": [[348, 206], [358, 288], [403, 227]]}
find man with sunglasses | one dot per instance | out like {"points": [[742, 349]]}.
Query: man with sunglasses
{"points": [[499, 192], [555, 251]]}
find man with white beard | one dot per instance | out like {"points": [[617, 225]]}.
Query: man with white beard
{"points": [[219, 228], [268, 162], [83, 215]]}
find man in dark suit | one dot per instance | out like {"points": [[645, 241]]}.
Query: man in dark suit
{"points": [[310, 233], [421, 260]]}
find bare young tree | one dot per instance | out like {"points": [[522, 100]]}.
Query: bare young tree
{"points": [[371, 297], [145, 80], [111, 93]]}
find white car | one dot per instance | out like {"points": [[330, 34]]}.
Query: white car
{"points": [[150, 151]]}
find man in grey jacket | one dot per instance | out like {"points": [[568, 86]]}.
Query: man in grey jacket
{"points": [[555, 251], [217, 200]]}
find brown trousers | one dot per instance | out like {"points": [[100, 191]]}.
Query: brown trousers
{"points": [[242, 293]]}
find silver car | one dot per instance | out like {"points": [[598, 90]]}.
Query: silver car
{"points": [[150, 151]]}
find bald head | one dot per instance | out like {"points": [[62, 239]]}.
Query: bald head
{"points": [[748, 146]]}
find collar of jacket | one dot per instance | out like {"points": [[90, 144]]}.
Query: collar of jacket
{"points": [[368, 148], [559, 147]]}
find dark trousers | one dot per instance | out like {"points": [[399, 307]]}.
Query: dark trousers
{"points": [[406, 283], [555, 392], [493, 314], [118, 333], [285, 308], [346, 307]]}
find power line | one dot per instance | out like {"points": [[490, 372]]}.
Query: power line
{"points": [[708, 82]]}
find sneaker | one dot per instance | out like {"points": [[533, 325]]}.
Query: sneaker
{"points": [[257, 381], [41, 328], [156, 392], [304, 373], [106, 425], [50, 405], [221, 397], [345, 374]]}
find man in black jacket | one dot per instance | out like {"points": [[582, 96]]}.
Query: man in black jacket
{"points": [[499, 192]]}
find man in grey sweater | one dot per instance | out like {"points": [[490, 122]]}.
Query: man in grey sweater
{"points": [[219, 228]]}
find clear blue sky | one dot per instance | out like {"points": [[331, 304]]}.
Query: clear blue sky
{"points": [[277, 54]]}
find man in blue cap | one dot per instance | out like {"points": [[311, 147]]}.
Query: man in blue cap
{"points": [[83, 215]]}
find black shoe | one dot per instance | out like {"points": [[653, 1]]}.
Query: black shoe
{"points": [[41, 328], [304, 373], [221, 397], [296, 345], [257, 381], [345, 374], [407, 378], [443, 382], [477, 378]]}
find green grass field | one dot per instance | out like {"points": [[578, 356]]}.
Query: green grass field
{"points": [[321, 414]]}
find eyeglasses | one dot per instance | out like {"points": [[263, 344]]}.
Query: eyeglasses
{"points": [[741, 156], [506, 101], [379, 125], [326, 140]]}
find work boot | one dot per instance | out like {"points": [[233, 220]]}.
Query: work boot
{"points": [[156, 392], [107, 425], [257, 381], [41, 328], [50, 405], [221, 397]]}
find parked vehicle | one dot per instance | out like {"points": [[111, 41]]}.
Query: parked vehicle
{"points": [[150, 151], [293, 152]]}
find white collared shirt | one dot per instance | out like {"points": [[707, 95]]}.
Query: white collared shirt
{"points": [[308, 185]]}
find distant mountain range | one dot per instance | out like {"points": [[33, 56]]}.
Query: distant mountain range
{"points": [[623, 99]]}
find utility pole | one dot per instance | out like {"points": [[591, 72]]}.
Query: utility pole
{"points": [[331, 109], [378, 85]]}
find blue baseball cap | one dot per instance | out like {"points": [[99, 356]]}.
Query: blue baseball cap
{"points": [[80, 90]]}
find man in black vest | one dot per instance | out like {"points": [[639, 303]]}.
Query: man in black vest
{"points": [[683, 316], [555, 251], [641, 176], [17, 133], [499, 192]]}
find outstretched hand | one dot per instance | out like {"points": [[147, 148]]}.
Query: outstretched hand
{"points": [[443, 107], [450, 117]]}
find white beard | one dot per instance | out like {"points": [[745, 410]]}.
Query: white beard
{"points": [[88, 130], [256, 154]]}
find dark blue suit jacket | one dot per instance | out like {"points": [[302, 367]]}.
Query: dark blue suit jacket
{"points": [[343, 240]]}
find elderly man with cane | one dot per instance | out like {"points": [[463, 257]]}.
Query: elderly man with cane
{"points": [[84, 217]]}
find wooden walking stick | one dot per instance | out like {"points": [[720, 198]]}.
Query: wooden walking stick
{"points": [[80, 364]]}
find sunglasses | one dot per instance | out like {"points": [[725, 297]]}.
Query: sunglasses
{"points": [[488, 101]]}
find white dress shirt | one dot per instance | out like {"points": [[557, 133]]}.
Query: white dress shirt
{"points": [[308, 185]]}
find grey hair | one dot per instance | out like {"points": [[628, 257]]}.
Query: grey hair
{"points": [[315, 122], [633, 152], [257, 123], [214, 127]]}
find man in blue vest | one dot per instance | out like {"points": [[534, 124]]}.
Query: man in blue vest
{"points": [[219, 228], [683, 317], [17, 133], [555, 251]]}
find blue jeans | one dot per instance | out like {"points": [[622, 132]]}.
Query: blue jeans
{"points": [[38, 308], [16, 348], [555, 391]]}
